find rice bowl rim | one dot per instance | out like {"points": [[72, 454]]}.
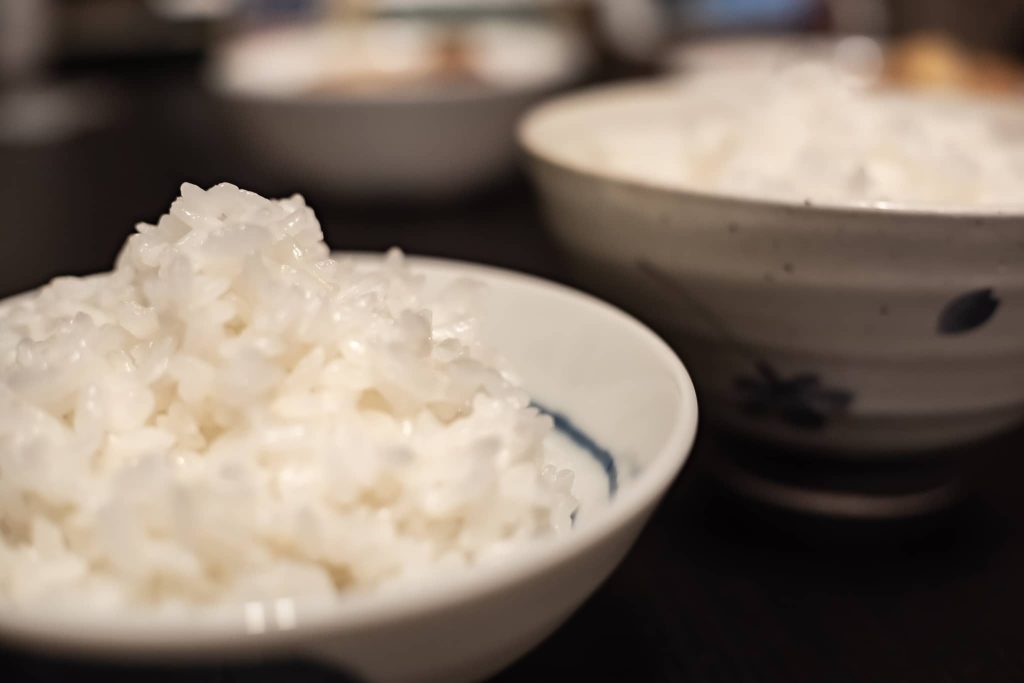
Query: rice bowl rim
{"points": [[142, 634], [582, 101]]}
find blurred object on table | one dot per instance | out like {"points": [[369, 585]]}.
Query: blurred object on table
{"points": [[934, 60], [634, 31], [475, 7], [277, 11], [35, 108], [717, 16], [931, 61], [860, 56], [859, 17], [640, 30], [26, 38], [193, 10], [46, 112], [996, 25], [702, 17]]}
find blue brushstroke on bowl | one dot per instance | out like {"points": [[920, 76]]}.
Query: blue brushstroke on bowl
{"points": [[565, 426], [968, 311], [803, 401]]}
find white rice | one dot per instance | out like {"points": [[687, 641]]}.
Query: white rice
{"points": [[814, 132], [232, 415]]}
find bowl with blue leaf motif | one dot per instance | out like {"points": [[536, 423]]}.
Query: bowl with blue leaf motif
{"points": [[872, 329]]}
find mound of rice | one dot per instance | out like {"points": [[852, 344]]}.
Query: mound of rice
{"points": [[232, 415], [810, 131]]}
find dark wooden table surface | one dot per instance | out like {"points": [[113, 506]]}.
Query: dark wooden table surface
{"points": [[716, 590]]}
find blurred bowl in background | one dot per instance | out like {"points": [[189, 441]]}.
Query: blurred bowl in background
{"points": [[923, 61], [858, 55], [405, 108], [859, 329]]}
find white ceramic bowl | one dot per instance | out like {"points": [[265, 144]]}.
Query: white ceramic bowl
{"points": [[615, 380], [841, 328], [421, 143]]}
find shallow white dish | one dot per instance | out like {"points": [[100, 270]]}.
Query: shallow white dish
{"points": [[620, 390], [859, 329]]}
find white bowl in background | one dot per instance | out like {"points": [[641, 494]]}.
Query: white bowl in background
{"points": [[618, 384], [850, 328], [428, 142]]}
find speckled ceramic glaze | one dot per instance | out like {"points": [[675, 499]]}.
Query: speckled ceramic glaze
{"points": [[841, 328]]}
